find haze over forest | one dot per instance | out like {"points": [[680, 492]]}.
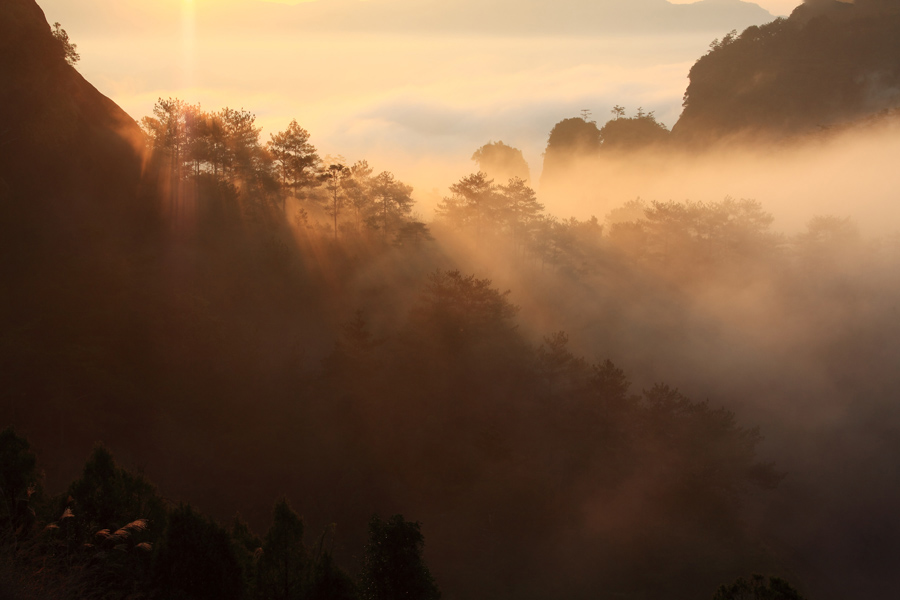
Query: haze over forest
{"points": [[412, 87], [581, 300]]}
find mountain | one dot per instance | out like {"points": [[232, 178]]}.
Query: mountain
{"points": [[68, 154], [828, 64]]}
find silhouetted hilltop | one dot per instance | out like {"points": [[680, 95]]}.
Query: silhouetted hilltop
{"points": [[57, 125], [70, 159], [576, 139], [829, 63]]}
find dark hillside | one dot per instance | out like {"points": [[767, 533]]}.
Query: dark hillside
{"points": [[65, 147], [241, 321], [169, 310], [107, 301], [830, 63]]}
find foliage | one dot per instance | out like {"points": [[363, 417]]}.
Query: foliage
{"points": [[472, 203], [412, 235], [335, 176], [758, 588], [501, 162], [18, 483], [829, 63], [196, 559], [454, 307], [696, 236], [392, 204], [436, 399], [393, 566], [633, 133], [69, 49], [284, 558], [485, 210], [573, 136], [295, 157], [328, 581], [107, 497]]}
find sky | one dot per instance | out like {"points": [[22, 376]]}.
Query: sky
{"points": [[413, 86]]}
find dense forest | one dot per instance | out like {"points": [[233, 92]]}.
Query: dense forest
{"points": [[657, 402]]}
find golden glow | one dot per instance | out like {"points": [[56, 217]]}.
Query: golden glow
{"points": [[778, 8], [411, 102], [188, 42]]}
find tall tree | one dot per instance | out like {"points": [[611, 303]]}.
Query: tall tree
{"points": [[109, 496], [295, 157], [472, 203], [283, 560], [334, 177], [18, 481], [393, 203], [68, 48], [521, 209], [167, 130], [359, 191], [196, 559], [394, 568], [243, 153]]}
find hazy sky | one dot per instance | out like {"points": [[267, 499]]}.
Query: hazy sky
{"points": [[414, 86]]}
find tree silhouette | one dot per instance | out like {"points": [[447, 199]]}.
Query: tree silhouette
{"points": [[196, 559], [393, 203], [243, 153], [283, 560], [758, 588], [412, 235], [334, 176], [555, 364], [460, 312], [472, 205], [106, 496], [18, 482], [501, 162], [359, 191], [68, 48], [394, 568], [630, 134], [295, 157], [167, 130], [521, 210]]}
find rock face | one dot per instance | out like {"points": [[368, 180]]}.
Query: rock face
{"points": [[829, 63], [72, 206], [64, 147]]}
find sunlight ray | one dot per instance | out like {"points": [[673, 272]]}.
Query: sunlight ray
{"points": [[188, 43]]}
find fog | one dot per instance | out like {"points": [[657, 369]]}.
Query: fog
{"points": [[646, 371], [843, 172], [800, 340], [404, 100]]}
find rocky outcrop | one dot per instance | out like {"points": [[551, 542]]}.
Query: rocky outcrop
{"points": [[829, 64]]}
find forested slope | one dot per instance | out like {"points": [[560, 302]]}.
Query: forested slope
{"points": [[242, 320]]}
